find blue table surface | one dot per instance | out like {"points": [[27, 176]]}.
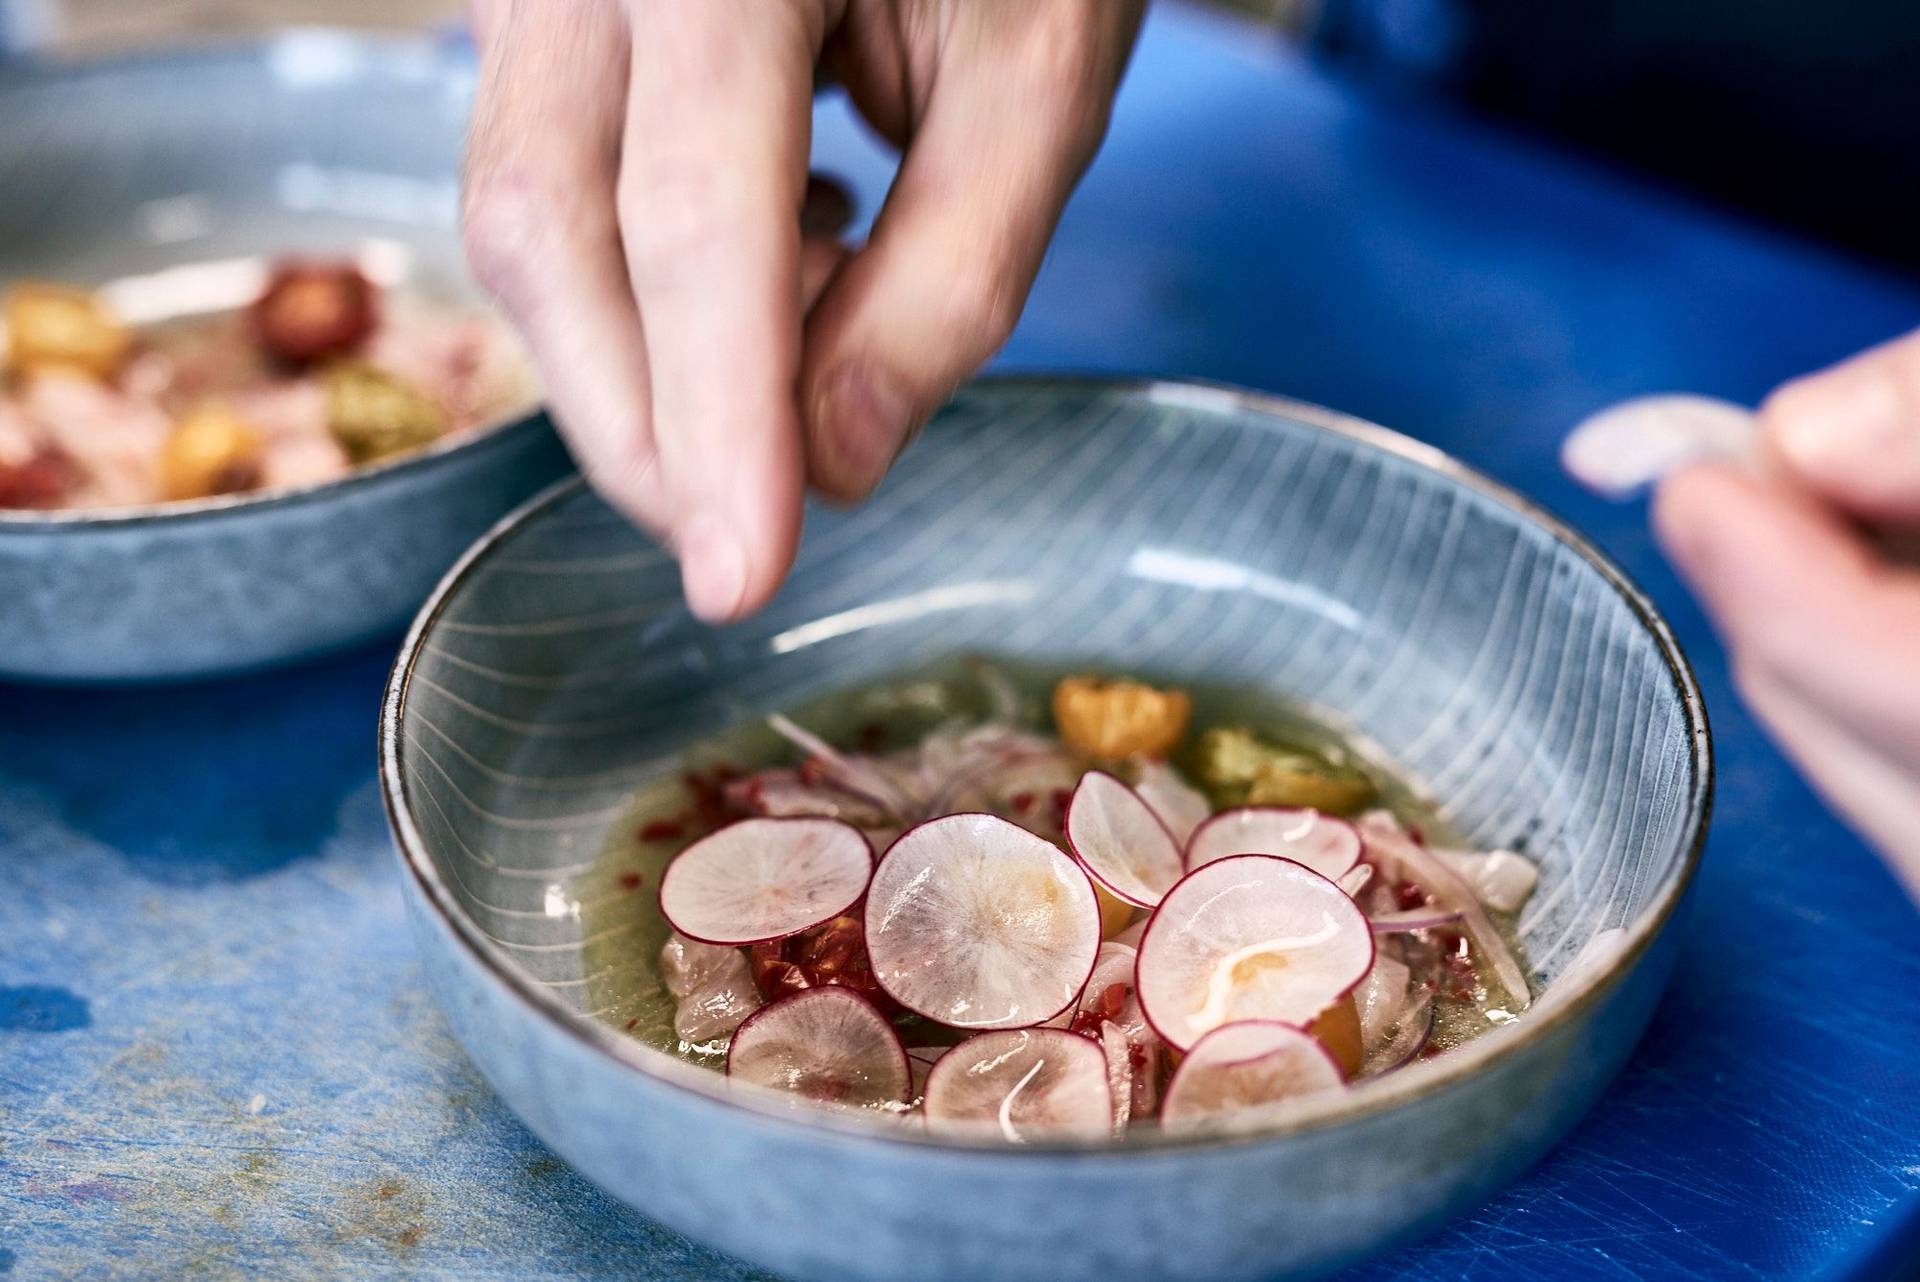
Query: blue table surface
{"points": [[217, 1054]]}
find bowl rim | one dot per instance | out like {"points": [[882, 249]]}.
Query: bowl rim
{"points": [[1369, 1100], [54, 75]]}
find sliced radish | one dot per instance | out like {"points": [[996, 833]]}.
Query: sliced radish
{"points": [[1180, 805], [1028, 1083], [974, 922], [826, 1044], [1249, 937], [1246, 1064], [763, 879], [1388, 842], [1118, 838], [1396, 923], [1328, 846]]}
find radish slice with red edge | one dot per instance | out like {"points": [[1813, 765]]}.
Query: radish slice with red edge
{"points": [[1180, 805], [1428, 871], [765, 879], [1248, 937], [1328, 846], [826, 1044], [1244, 1065], [1413, 919], [974, 922], [1118, 838], [1026, 1083]]}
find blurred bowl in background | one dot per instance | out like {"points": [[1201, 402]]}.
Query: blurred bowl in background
{"points": [[162, 177]]}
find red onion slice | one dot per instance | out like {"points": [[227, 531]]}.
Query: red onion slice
{"points": [[1245, 1065], [1418, 864], [1412, 919]]}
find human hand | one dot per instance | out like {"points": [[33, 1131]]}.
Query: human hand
{"points": [[635, 180], [1796, 560]]}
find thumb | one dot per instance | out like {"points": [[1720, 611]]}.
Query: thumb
{"points": [[1852, 433]]}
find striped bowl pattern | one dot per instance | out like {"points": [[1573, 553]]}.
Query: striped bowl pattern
{"points": [[1495, 657]]}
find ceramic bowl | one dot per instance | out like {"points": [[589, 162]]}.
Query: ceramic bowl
{"points": [[1494, 654], [312, 142]]}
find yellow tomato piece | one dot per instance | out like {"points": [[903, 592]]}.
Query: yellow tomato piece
{"points": [[1118, 719]]}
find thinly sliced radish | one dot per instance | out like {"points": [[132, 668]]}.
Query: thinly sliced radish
{"points": [[1388, 843], [1405, 1039], [1118, 838], [1395, 923], [763, 879], [1246, 1064], [1180, 805], [974, 922], [1636, 442], [1027, 1083], [826, 1044], [1500, 879], [1328, 846], [1249, 937]]}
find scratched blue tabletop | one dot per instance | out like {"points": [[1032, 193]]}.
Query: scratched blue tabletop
{"points": [[217, 1054]]}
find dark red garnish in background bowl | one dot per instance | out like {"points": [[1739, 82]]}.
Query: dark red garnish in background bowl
{"points": [[312, 311]]}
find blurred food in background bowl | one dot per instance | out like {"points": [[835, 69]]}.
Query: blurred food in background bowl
{"points": [[265, 408], [1506, 668]]}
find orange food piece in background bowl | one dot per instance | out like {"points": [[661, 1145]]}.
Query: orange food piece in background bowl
{"points": [[1117, 719], [210, 451], [56, 328]]}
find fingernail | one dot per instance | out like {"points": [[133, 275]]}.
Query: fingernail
{"points": [[1841, 422], [860, 423], [713, 568]]}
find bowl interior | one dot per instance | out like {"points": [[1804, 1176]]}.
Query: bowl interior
{"points": [[312, 142], [1165, 528]]}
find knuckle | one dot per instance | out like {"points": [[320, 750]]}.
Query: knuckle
{"points": [[512, 216]]}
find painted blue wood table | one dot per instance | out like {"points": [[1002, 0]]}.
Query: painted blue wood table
{"points": [[217, 1056]]}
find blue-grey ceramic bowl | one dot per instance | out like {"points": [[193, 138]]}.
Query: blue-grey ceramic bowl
{"points": [[313, 141], [1487, 648]]}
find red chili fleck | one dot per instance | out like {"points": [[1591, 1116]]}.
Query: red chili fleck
{"points": [[633, 1023], [630, 881], [811, 771], [873, 737], [1407, 894], [662, 830], [1419, 838], [1062, 798], [1022, 802]]}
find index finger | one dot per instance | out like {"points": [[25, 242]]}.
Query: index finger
{"points": [[713, 170]]}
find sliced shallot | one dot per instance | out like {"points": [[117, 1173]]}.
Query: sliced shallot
{"points": [[762, 879], [1405, 1038], [826, 1044], [1381, 997], [1119, 839], [1395, 923], [1249, 937], [1246, 1064], [1026, 1083], [1328, 846], [1500, 879], [974, 922], [1427, 870]]}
